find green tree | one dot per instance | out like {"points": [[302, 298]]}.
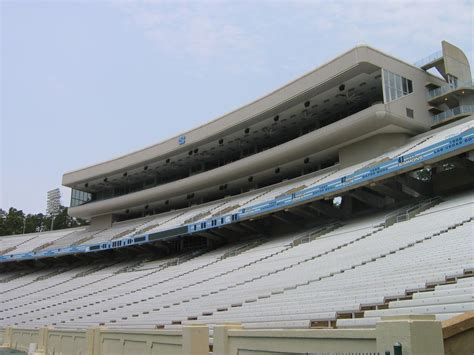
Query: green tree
{"points": [[15, 221], [3, 227], [35, 223], [63, 220]]}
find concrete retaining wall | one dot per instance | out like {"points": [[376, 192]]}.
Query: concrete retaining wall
{"points": [[418, 335]]}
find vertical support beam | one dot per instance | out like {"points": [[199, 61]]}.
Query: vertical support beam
{"points": [[196, 339], [42, 346], [7, 338], [346, 206], [93, 340], [221, 338], [417, 335]]}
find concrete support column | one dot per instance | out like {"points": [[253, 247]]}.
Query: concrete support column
{"points": [[221, 339], [346, 206], [7, 338], [93, 340], [196, 339], [42, 346], [417, 335]]}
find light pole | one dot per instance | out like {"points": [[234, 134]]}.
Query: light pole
{"points": [[53, 204]]}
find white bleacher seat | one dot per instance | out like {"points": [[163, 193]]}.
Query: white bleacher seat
{"points": [[356, 264]]}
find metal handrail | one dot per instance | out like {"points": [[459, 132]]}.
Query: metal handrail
{"points": [[240, 249], [409, 212], [431, 58], [449, 87], [313, 234], [454, 112]]}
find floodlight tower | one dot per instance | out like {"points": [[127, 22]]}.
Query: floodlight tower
{"points": [[53, 204]]}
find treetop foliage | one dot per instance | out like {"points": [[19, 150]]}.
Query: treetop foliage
{"points": [[15, 221]]}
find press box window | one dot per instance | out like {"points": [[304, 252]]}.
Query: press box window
{"points": [[395, 86], [79, 197]]}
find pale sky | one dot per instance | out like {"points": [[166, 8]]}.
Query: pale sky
{"points": [[86, 81]]}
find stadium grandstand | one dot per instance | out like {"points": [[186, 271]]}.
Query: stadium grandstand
{"points": [[336, 201]]}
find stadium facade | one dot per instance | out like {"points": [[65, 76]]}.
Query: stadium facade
{"points": [[356, 177], [355, 107], [335, 132]]}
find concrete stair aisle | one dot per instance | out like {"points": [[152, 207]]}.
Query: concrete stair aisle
{"points": [[444, 305]]}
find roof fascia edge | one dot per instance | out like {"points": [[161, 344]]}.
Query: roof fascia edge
{"points": [[360, 55]]}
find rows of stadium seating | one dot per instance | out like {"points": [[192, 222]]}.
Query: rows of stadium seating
{"points": [[151, 224], [343, 274], [29, 242], [446, 301]]}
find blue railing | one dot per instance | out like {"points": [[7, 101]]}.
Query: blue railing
{"points": [[449, 87], [465, 109], [431, 58]]}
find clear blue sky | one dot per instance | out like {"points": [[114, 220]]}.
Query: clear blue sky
{"points": [[85, 81]]}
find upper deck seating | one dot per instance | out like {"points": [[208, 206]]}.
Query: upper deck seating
{"points": [[32, 241], [232, 204]]}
